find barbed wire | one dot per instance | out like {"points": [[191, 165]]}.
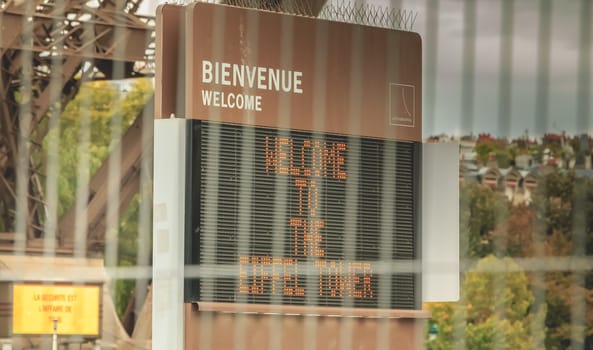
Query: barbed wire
{"points": [[370, 15], [339, 11], [301, 8]]}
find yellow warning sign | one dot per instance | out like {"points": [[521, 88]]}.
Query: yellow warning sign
{"points": [[76, 309]]}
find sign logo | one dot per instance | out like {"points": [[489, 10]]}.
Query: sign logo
{"points": [[402, 102]]}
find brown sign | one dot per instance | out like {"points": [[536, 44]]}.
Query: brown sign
{"points": [[268, 69]]}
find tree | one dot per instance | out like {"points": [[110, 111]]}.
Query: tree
{"points": [[557, 224], [481, 210], [93, 111], [443, 317], [480, 285], [514, 237], [501, 152], [86, 130], [495, 308], [552, 202], [563, 204]]}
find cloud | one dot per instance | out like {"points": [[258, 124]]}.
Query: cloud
{"points": [[565, 47]]}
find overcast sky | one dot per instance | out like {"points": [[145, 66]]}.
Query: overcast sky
{"points": [[444, 66]]}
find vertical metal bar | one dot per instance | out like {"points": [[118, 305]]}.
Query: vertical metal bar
{"points": [[319, 110], [282, 182], [543, 67], [113, 177], [144, 246], [143, 243], [584, 68], [506, 68], [211, 186], [388, 199], [354, 157], [83, 175], [22, 224], [111, 258], [246, 175], [541, 118], [56, 82], [504, 118], [579, 239], [468, 61], [431, 49], [467, 122]]}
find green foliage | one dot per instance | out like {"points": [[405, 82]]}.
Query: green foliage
{"points": [[514, 237], [496, 332], [443, 315], [563, 205], [127, 253], [500, 308], [496, 308], [483, 151], [123, 292], [481, 210], [482, 298], [103, 113], [128, 233], [552, 201], [502, 153], [93, 110]]}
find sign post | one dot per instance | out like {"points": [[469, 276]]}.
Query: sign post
{"points": [[54, 340]]}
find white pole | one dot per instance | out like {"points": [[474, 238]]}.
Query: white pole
{"points": [[54, 340]]}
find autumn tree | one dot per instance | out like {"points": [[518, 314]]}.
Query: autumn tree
{"points": [[495, 309], [514, 236], [563, 205], [557, 226], [481, 211], [443, 317]]}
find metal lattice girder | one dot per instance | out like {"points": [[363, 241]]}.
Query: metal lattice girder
{"points": [[80, 27], [43, 46], [36, 99]]}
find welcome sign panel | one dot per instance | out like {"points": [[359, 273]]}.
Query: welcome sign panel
{"points": [[303, 165], [267, 69]]}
